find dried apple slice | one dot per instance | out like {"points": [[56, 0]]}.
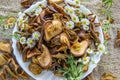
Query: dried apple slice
{"points": [[78, 49]]}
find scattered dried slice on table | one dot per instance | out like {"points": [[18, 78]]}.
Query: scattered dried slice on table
{"points": [[5, 47], [117, 41], [106, 36], [26, 3], [108, 76]]}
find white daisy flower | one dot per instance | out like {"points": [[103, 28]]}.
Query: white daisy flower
{"points": [[69, 10], [22, 40], [38, 10], [70, 24], [30, 42], [86, 28], [85, 60], [89, 51], [75, 18], [77, 2], [101, 48], [85, 21], [36, 35]]}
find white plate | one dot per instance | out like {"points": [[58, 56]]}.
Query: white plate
{"points": [[48, 75]]}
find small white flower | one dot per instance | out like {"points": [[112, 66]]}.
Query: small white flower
{"points": [[36, 35], [6, 27], [85, 21], [75, 18], [101, 48], [77, 2], [70, 24], [89, 51], [30, 42], [38, 11], [86, 60], [86, 28], [19, 13], [80, 60], [22, 40], [69, 10], [106, 22]]}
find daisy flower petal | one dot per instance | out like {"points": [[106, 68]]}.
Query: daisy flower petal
{"points": [[89, 51], [30, 42], [36, 35], [22, 40], [70, 24], [75, 18], [86, 28], [77, 2], [86, 60], [101, 48], [85, 21]]}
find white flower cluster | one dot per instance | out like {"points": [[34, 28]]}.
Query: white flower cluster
{"points": [[85, 23], [30, 41]]}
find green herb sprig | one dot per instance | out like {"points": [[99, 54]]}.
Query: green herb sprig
{"points": [[74, 71]]}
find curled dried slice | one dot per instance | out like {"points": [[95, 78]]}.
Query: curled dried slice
{"points": [[79, 48], [35, 69], [4, 58], [26, 3], [60, 56], [5, 47], [45, 59], [64, 39], [33, 52], [52, 28], [55, 1], [58, 8]]}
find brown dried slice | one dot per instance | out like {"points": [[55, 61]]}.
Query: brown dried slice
{"points": [[106, 36], [58, 8], [2, 75], [33, 52], [79, 48], [117, 41], [5, 58], [23, 74], [5, 47], [60, 56], [108, 76], [45, 59], [35, 69], [85, 68], [8, 70], [26, 3], [118, 34], [52, 28], [55, 1], [64, 39]]}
